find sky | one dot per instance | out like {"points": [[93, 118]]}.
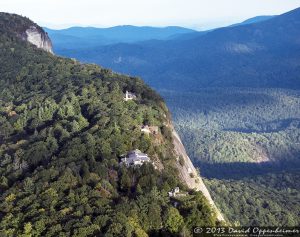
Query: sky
{"points": [[196, 14]]}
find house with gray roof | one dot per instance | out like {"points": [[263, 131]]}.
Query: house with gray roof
{"points": [[135, 158]]}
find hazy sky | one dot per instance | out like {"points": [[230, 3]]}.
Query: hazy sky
{"points": [[191, 13]]}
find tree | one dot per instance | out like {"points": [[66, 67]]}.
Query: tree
{"points": [[173, 221], [27, 230], [5, 128], [125, 181], [154, 215], [3, 182]]}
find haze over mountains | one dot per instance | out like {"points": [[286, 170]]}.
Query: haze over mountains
{"points": [[231, 56], [76, 38], [89, 37], [255, 19]]}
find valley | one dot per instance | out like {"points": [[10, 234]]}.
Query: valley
{"points": [[247, 144]]}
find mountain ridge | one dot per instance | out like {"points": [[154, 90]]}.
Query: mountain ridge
{"points": [[234, 53], [63, 127], [84, 37], [27, 31], [255, 19]]}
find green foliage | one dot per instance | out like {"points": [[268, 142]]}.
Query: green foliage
{"points": [[173, 220], [64, 126], [270, 199], [238, 125], [234, 135]]}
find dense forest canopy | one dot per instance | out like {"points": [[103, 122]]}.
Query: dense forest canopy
{"points": [[271, 199], [63, 127], [238, 124], [247, 144]]}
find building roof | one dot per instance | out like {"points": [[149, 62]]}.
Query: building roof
{"points": [[130, 94], [136, 155]]}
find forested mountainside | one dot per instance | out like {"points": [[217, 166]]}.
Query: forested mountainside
{"points": [[15, 26], [247, 144], [63, 127], [12, 24], [263, 54], [234, 96], [271, 198], [238, 125], [244, 134]]}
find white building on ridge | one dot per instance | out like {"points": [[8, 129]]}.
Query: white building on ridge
{"points": [[149, 129], [129, 96], [174, 192], [135, 158]]}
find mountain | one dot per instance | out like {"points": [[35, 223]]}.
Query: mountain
{"points": [[255, 19], [264, 54], [86, 37], [234, 97], [64, 127], [246, 140], [12, 24], [192, 35], [90, 37]]}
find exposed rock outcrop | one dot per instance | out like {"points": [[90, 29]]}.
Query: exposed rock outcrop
{"points": [[189, 174], [39, 38], [25, 29]]}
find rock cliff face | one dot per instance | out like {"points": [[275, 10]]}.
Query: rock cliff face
{"points": [[189, 174], [24, 29], [39, 38]]}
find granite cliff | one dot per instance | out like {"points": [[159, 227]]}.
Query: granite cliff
{"points": [[25, 29]]}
